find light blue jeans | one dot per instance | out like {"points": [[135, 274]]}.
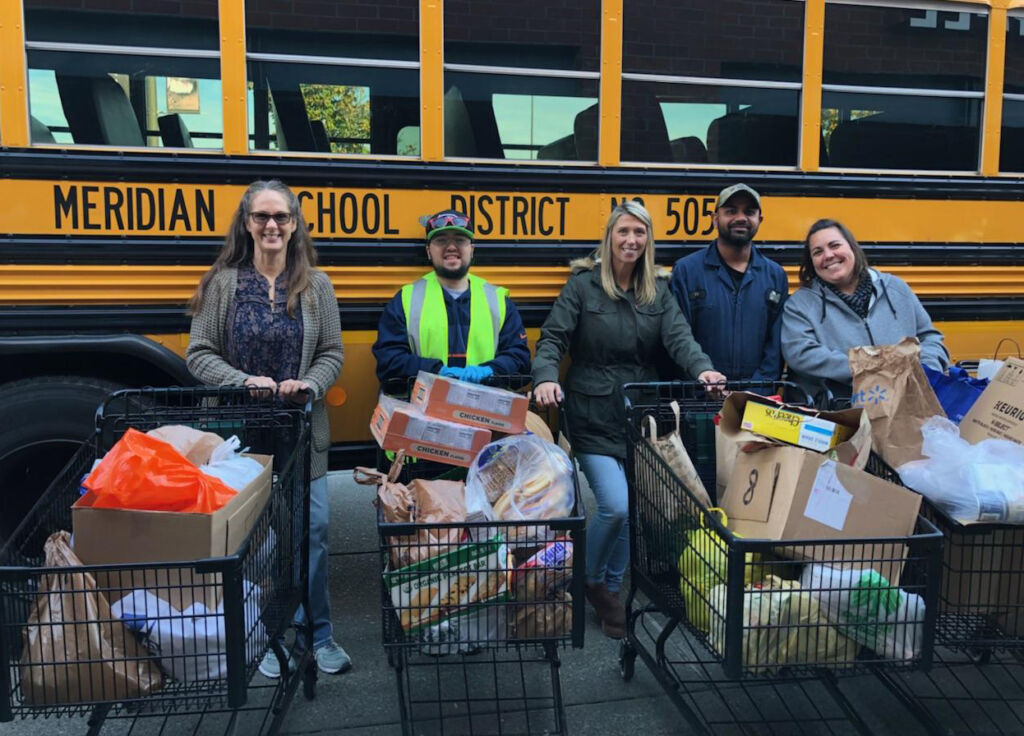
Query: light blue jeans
{"points": [[608, 531], [319, 595]]}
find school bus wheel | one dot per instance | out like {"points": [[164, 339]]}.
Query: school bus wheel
{"points": [[42, 422]]}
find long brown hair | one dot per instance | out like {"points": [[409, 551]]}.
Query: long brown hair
{"points": [[238, 247], [645, 272], [807, 272]]}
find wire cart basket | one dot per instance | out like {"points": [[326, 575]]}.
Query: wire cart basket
{"points": [[753, 651], [976, 685], [476, 668], [204, 676]]}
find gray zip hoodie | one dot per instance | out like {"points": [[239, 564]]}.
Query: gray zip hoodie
{"points": [[818, 329]]}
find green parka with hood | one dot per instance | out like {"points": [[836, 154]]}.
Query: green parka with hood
{"points": [[610, 342]]}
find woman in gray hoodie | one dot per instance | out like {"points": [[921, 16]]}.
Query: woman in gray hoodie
{"points": [[842, 303]]}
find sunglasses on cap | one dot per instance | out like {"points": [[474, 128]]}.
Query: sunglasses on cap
{"points": [[447, 219]]}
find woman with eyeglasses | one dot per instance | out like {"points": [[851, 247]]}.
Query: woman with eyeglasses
{"points": [[264, 316], [613, 317]]}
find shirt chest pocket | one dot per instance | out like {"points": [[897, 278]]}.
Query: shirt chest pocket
{"points": [[648, 324]]}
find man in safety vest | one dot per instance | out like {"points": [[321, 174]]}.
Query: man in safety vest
{"points": [[450, 321]]}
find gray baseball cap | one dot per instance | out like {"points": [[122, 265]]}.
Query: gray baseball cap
{"points": [[735, 189]]}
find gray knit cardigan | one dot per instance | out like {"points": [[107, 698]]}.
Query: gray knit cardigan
{"points": [[322, 353]]}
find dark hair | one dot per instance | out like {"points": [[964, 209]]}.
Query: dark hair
{"points": [[238, 246], [860, 261]]}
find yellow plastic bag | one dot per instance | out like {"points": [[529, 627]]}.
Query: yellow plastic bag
{"points": [[703, 564]]}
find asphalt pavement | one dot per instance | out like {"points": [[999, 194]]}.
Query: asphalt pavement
{"points": [[364, 701]]}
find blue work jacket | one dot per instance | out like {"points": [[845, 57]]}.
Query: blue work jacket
{"points": [[738, 327]]}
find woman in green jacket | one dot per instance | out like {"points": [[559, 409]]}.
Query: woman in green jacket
{"points": [[613, 316]]}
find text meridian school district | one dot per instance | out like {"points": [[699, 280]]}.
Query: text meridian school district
{"points": [[184, 210]]}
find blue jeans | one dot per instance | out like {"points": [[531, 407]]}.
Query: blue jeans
{"points": [[319, 595], [608, 531]]}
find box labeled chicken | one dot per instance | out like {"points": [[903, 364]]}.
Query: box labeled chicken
{"points": [[449, 585], [398, 425], [470, 403]]}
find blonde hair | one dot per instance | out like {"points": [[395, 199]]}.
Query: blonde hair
{"points": [[644, 273]]}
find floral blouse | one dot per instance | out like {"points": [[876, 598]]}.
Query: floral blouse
{"points": [[263, 340]]}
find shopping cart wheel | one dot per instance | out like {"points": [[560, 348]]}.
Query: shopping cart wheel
{"points": [[627, 659], [309, 681], [979, 655]]}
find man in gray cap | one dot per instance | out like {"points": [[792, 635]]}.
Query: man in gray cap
{"points": [[732, 294]]}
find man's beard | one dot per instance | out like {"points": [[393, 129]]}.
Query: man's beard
{"points": [[737, 241], [455, 274]]}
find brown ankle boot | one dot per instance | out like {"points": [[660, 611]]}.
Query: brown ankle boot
{"points": [[607, 605], [617, 611]]}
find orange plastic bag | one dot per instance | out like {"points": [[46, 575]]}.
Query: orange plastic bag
{"points": [[144, 473]]}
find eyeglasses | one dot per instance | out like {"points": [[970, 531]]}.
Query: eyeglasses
{"points": [[447, 220], [262, 218]]}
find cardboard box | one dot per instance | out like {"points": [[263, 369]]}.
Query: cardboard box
{"points": [[789, 493], [103, 535], [125, 536], [787, 424], [398, 425], [999, 411], [731, 438], [470, 403], [451, 584]]}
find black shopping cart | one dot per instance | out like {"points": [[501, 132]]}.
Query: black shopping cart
{"points": [[976, 684], [197, 663], [733, 632], [490, 667]]}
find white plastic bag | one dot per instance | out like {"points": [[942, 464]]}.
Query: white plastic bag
{"points": [[868, 609], [191, 643], [518, 478], [982, 482], [230, 466], [987, 368]]}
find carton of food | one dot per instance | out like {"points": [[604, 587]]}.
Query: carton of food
{"points": [[449, 585], [793, 427], [470, 403], [398, 425]]}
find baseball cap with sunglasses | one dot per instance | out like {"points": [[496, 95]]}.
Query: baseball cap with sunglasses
{"points": [[446, 220]]}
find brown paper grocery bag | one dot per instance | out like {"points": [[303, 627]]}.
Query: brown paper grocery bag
{"points": [[670, 448], [75, 651], [889, 382]]}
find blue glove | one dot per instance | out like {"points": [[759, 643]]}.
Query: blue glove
{"points": [[457, 373], [477, 373]]}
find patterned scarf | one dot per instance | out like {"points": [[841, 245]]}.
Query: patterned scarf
{"points": [[860, 300]]}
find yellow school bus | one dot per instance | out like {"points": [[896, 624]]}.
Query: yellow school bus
{"points": [[129, 129]]}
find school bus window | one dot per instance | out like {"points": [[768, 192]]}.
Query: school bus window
{"points": [[538, 126], [502, 116], [700, 124], [1011, 148], [492, 109], [339, 77], [902, 87], [148, 78], [683, 62]]}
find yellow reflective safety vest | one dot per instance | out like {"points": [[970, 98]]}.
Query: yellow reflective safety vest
{"points": [[426, 319]]}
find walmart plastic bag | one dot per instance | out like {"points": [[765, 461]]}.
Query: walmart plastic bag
{"points": [[190, 644], [782, 625], [982, 482], [869, 609], [226, 463]]}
